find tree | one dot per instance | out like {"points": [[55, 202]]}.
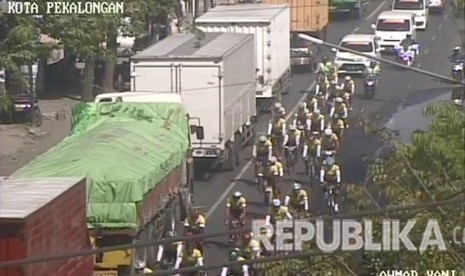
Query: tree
{"points": [[430, 168]]}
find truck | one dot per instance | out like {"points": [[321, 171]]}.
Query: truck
{"points": [[137, 162], [271, 26], [43, 217], [354, 8], [215, 75], [310, 17]]}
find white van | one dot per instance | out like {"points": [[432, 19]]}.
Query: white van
{"points": [[348, 63], [392, 27], [139, 97], [418, 7]]}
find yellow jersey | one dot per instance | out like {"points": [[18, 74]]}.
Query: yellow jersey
{"points": [[199, 222], [276, 169], [337, 124], [298, 199], [332, 171], [278, 125], [329, 142], [280, 214], [191, 259], [316, 118], [313, 144], [236, 204]]}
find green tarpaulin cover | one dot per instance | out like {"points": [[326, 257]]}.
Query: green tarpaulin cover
{"points": [[124, 150]]}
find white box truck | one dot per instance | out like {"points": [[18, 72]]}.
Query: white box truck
{"points": [[215, 75], [271, 26]]}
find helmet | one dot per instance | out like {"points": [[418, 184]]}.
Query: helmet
{"points": [[277, 105], [237, 194], [333, 82], [274, 159], [170, 234], [372, 63], [457, 49], [324, 59], [315, 133], [316, 111], [347, 78], [339, 100], [276, 203], [296, 186], [328, 132], [292, 128], [262, 139], [246, 236], [234, 254], [139, 264], [409, 36], [330, 161], [301, 105]]}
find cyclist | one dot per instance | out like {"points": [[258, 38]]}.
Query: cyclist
{"points": [[195, 222], [277, 212], [235, 210], [301, 115], [298, 200], [243, 270], [348, 88], [292, 139], [141, 268], [333, 90], [316, 121], [332, 73], [274, 174], [340, 108], [313, 146], [322, 67], [277, 126], [250, 247], [191, 257], [337, 126], [171, 252], [330, 173], [313, 103], [279, 110], [262, 151], [329, 142]]}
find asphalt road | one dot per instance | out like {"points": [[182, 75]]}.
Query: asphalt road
{"points": [[397, 89]]}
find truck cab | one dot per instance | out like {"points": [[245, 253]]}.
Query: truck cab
{"points": [[303, 54], [348, 63]]}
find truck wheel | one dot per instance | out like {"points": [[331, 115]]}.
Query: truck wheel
{"points": [[172, 215]]}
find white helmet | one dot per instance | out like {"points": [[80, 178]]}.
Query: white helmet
{"points": [[292, 127], [339, 100], [237, 194], [302, 105], [347, 78], [276, 202], [278, 105], [139, 264], [328, 132], [316, 111], [274, 159], [457, 48], [262, 139]]}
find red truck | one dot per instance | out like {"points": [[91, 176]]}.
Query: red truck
{"points": [[42, 217]]}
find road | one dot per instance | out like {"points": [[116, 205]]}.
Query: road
{"points": [[397, 87]]}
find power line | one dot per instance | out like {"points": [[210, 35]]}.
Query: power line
{"points": [[452, 201]]}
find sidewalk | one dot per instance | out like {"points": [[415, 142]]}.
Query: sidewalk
{"points": [[19, 144]]}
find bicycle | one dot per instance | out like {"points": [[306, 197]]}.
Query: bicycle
{"points": [[234, 224], [330, 195], [311, 168], [290, 152]]}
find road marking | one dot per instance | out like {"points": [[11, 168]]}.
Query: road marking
{"points": [[433, 38], [249, 164], [356, 29], [375, 11], [426, 51], [440, 26]]}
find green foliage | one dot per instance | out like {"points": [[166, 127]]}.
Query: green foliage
{"points": [[5, 101]]}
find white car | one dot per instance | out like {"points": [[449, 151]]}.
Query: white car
{"points": [[352, 64], [436, 6]]}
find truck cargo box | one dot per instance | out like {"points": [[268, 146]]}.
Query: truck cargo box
{"points": [[270, 25], [42, 217], [307, 16], [215, 76]]}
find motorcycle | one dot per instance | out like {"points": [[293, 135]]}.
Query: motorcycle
{"points": [[457, 70], [407, 57], [370, 86]]}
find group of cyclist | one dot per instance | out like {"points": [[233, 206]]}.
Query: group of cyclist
{"points": [[315, 133]]}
